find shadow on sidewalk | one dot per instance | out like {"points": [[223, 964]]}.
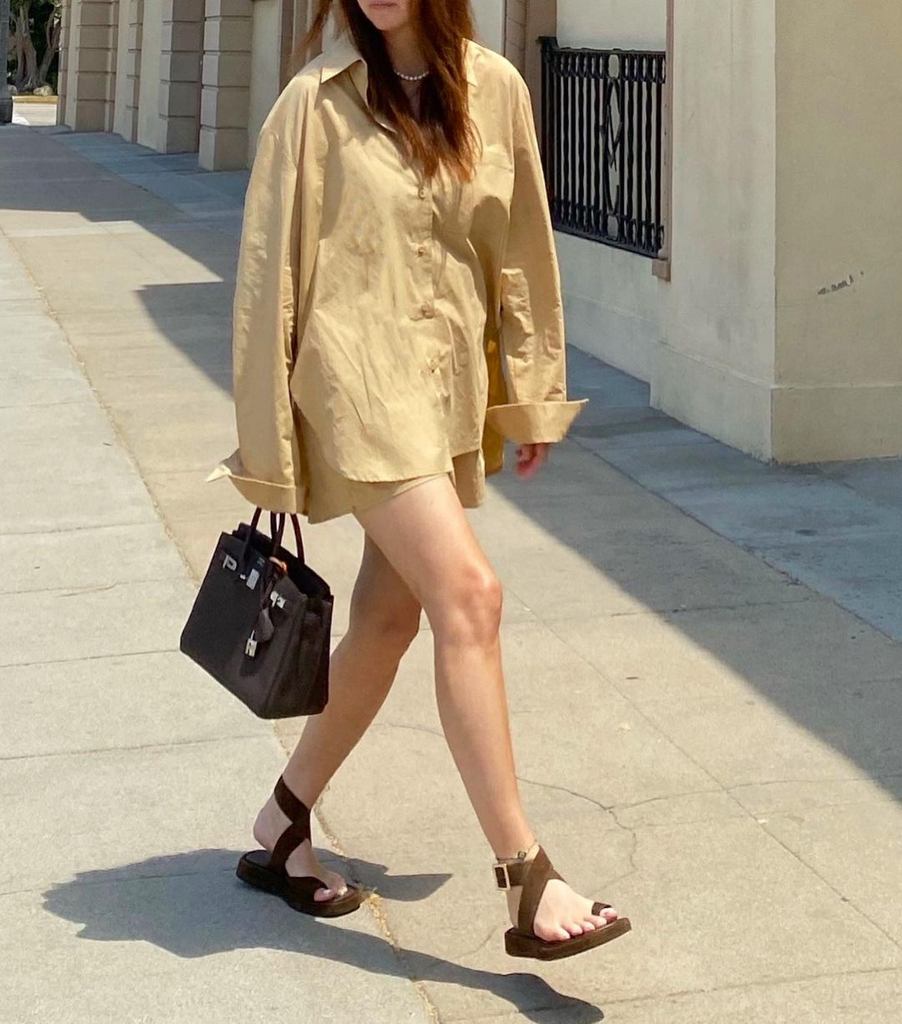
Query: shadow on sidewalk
{"points": [[187, 905]]}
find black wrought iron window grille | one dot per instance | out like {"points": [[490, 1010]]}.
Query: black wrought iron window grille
{"points": [[603, 144]]}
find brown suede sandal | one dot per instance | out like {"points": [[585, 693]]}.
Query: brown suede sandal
{"points": [[266, 871], [534, 875]]}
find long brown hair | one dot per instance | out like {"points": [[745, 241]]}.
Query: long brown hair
{"points": [[443, 134]]}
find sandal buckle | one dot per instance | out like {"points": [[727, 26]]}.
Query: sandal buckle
{"points": [[502, 876]]}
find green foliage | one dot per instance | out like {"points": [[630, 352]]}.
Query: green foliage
{"points": [[34, 41]]}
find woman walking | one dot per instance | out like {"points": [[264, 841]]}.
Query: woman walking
{"points": [[397, 316]]}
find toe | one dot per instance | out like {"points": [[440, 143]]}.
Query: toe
{"points": [[603, 914], [553, 934]]}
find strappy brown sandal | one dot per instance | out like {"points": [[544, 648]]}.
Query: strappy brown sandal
{"points": [[534, 875], [266, 871]]}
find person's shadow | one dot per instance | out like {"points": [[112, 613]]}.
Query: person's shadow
{"points": [[187, 904]]}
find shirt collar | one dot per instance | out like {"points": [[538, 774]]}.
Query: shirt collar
{"points": [[342, 52]]}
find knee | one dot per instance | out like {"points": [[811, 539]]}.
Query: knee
{"points": [[471, 610]]}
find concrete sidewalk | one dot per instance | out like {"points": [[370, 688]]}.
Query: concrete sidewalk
{"points": [[702, 741]]}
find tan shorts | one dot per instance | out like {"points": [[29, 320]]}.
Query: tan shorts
{"points": [[331, 494]]}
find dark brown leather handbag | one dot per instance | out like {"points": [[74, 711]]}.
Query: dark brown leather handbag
{"points": [[261, 622]]}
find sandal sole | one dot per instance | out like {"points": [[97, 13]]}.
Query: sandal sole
{"points": [[259, 877], [517, 943]]}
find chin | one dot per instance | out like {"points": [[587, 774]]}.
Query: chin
{"points": [[387, 18]]}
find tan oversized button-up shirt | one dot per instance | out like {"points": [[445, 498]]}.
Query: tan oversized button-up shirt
{"points": [[407, 321]]}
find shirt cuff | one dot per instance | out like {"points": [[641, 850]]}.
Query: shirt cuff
{"points": [[261, 493], [534, 422]]}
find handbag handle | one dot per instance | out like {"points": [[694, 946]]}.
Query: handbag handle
{"points": [[277, 529]]}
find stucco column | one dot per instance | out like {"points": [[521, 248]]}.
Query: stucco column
{"points": [[62, 89], [782, 333], [132, 85], [225, 97], [180, 74], [109, 114], [515, 17], [838, 366], [90, 65], [6, 100], [541, 20]]}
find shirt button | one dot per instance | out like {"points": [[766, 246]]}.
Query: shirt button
{"points": [[422, 193], [421, 250], [427, 310]]}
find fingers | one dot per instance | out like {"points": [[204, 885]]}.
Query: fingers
{"points": [[530, 459]]}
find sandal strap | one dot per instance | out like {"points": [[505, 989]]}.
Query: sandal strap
{"points": [[297, 832], [293, 809], [538, 873]]}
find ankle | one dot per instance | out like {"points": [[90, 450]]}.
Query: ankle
{"points": [[525, 853], [300, 787]]}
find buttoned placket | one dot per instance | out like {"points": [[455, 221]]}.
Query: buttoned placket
{"points": [[422, 238], [422, 243]]}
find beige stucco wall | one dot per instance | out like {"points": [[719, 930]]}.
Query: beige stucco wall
{"points": [[264, 67], [628, 24], [149, 91], [839, 217], [716, 368], [614, 307], [490, 22]]}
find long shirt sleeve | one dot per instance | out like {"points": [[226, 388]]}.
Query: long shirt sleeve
{"points": [[268, 466], [532, 321]]}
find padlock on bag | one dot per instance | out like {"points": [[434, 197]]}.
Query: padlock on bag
{"points": [[262, 621]]}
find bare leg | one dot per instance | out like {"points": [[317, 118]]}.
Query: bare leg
{"points": [[384, 619], [427, 538]]}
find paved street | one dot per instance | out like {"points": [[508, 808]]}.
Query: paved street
{"points": [[703, 659]]}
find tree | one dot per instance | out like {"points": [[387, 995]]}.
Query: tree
{"points": [[35, 40]]}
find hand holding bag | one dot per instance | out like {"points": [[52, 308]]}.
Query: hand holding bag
{"points": [[261, 622]]}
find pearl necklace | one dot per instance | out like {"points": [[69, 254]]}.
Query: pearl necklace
{"points": [[411, 78]]}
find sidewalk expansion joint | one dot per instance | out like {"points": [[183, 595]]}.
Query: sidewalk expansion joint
{"points": [[100, 588], [125, 524], [374, 905], [46, 887], [740, 986], [87, 657], [871, 777], [170, 745]]}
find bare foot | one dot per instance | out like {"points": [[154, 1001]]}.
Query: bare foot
{"points": [[270, 824], [562, 913]]}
